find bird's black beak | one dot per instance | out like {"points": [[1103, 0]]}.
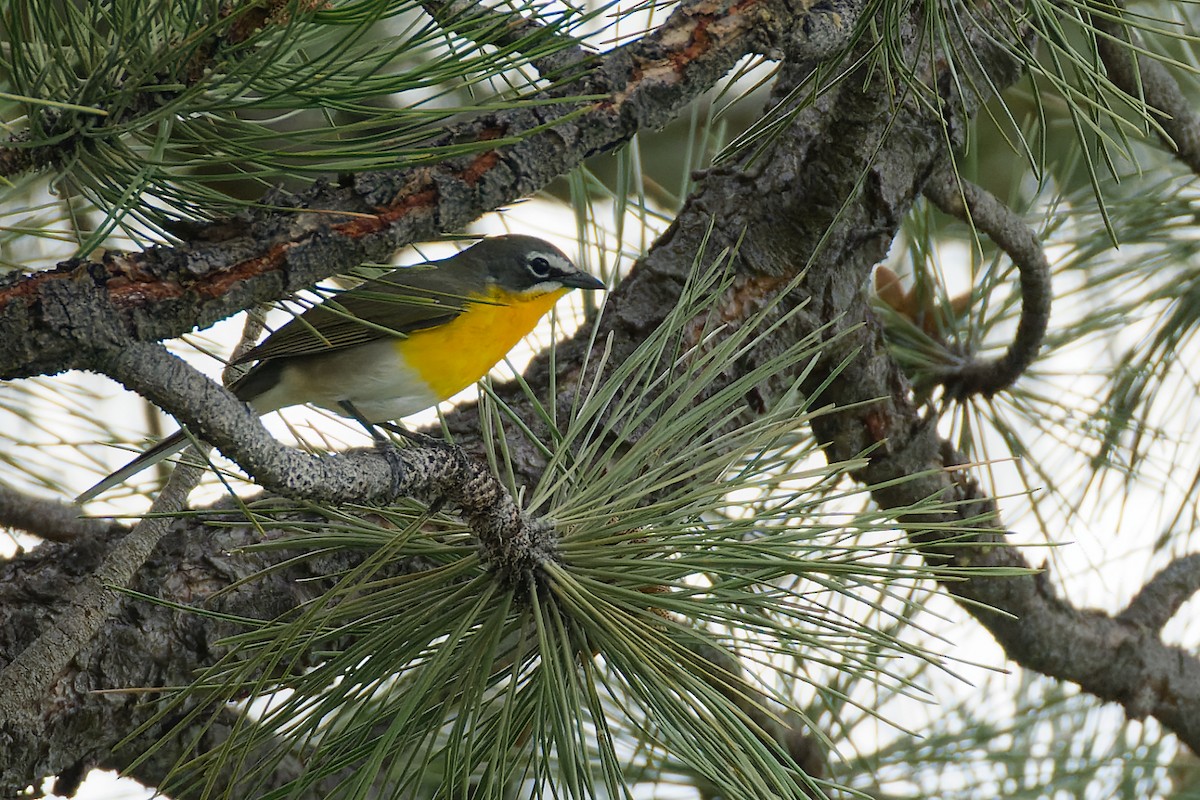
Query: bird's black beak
{"points": [[581, 280]]}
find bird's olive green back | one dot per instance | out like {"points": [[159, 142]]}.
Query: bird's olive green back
{"points": [[406, 299], [399, 302]]}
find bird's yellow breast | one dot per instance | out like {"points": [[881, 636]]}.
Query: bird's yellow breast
{"points": [[451, 357]]}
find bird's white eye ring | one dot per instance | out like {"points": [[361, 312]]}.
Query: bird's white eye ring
{"points": [[540, 267]]}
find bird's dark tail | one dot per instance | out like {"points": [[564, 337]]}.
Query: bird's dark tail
{"points": [[167, 447]]}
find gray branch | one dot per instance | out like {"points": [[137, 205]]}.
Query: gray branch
{"points": [[982, 210], [1142, 76], [49, 519], [1161, 598], [138, 645], [836, 223], [511, 542], [30, 671], [827, 198]]}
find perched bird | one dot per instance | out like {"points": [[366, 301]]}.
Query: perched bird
{"points": [[401, 342]]}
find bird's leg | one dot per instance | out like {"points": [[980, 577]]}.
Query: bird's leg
{"points": [[400, 430], [412, 436], [383, 444], [354, 414]]}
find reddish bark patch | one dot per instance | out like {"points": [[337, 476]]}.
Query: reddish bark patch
{"points": [[219, 284]]}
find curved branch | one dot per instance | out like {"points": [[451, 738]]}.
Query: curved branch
{"points": [[981, 209], [818, 217], [510, 542], [794, 212]]}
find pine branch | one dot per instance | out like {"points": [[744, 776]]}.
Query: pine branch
{"points": [[234, 25], [29, 673], [261, 256], [819, 221], [511, 542], [799, 213], [1161, 598]]}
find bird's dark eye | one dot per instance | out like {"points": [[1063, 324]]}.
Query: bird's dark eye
{"points": [[539, 267]]}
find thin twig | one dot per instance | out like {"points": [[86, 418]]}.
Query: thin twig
{"points": [[28, 676], [978, 207], [252, 328]]}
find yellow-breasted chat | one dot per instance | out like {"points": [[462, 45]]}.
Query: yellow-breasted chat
{"points": [[402, 342]]}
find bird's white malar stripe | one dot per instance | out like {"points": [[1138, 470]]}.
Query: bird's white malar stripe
{"points": [[542, 287]]}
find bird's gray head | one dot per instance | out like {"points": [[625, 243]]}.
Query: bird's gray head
{"points": [[529, 265]]}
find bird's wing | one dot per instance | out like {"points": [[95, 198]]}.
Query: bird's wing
{"points": [[375, 310]]}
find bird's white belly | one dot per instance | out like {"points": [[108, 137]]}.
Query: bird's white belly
{"points": [[371, 376]]}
